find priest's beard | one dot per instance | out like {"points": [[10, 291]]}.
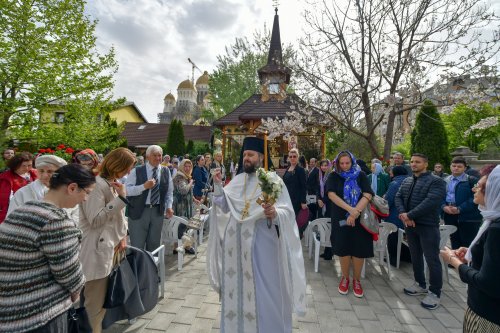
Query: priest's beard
{"points": [[251, 167]]}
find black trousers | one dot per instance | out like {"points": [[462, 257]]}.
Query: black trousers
{"points": [[466, 230], [423, 241]]}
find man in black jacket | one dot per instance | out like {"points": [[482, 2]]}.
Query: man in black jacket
{"points": [[419, 203]]}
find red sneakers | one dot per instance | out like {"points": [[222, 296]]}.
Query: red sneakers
{"points": [[344, 286], [356, 288]]}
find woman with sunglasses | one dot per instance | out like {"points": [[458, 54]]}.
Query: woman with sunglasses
{"points": [[41, 274], [479, 265], [296, 183], [104, 227]]}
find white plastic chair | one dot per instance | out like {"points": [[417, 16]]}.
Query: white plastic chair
{"points": [[310, 198], [380, 248], [169, 236], [323, 227], [445, 231], [159, 259]]}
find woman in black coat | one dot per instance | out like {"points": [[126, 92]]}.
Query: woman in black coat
{"points": [[295, 180], [479, 265]]}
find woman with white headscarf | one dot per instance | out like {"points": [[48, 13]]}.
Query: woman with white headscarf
{"points": [[479, 265], [45, 166], [379, 180]]}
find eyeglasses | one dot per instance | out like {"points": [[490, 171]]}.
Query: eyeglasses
{"points": [[292, 156]]}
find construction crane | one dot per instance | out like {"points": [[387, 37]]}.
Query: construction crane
{"points": [[193, 66]]}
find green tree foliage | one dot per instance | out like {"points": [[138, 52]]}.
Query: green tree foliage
{"points": [[175, 139], [189, 146], [86, 124], [429, 136], [198, 148], [235, 78], [404, 147], [48, 53], [458, 124]]}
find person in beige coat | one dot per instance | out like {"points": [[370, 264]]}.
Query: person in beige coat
{"points": [[104, 227]]}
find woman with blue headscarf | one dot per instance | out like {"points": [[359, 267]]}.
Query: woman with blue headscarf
{"points": [[379, 180], [349, 190]]}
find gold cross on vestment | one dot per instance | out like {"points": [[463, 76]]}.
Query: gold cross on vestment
{"points": [[244, 211]]}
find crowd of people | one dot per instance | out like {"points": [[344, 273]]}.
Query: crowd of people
{"points": [[80, 213]]}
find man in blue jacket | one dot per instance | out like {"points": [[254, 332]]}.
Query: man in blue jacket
{"points": [[418, 202], [458, 208]]}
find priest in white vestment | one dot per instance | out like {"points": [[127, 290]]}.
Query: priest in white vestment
{"points": [[257, 269]]}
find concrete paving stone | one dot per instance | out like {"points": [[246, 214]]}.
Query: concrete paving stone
{"points": [[208, 311], [325, 310], [395, 302], [341, 303], [306, 327], [185, 315], [352, 329], [378, 281], [201, 289], [217, 321], [148, 330], [414, 328], [390, 323], [380, 308], [372, 326], [433, 325], [201, 325], [321, 296], [212, 297], [150, 315], [385, 291], [330, 325], [347, 318], [406, 316], [161, 321], [364, 312], [178, 328], [448, 320], [171, 305], [180, 293], [193, 301], [458, 313], [310, 317], [372, 295]]}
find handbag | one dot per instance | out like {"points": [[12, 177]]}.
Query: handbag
{"points": [[121, 282], [369, 222], [78, 321], [379, 206], [302, 217]]}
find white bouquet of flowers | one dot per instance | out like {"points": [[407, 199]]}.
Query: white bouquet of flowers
{"points": [[271, 186]]}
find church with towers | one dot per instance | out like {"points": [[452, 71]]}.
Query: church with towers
{"points": [[192, 99]]}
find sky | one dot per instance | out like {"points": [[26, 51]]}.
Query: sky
{"points": [[154, 38]]}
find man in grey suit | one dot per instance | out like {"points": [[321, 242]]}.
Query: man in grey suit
{"points": [[150, 194]]}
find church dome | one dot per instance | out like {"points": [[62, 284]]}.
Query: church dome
{"points": [[203, 79], [186, 84], [169, 97]]}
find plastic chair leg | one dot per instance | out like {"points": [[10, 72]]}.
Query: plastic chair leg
{"points": [[316, 254], [400, 241]]}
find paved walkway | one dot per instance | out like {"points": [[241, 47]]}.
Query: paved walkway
{"points": [[190, 305]]}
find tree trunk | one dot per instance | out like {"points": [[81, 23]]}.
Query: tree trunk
{"points": [[389, 134]]}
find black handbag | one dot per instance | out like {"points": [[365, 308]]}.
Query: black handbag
{"points": [[78, 321], [121, 282]]}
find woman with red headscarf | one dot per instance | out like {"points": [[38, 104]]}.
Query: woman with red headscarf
{"points": [[87, 158]]}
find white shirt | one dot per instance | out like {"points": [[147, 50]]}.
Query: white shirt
{"points": [[135, 190]]}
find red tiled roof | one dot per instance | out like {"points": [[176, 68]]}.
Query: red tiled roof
{"points": [[140, 134], [255, 109]]}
